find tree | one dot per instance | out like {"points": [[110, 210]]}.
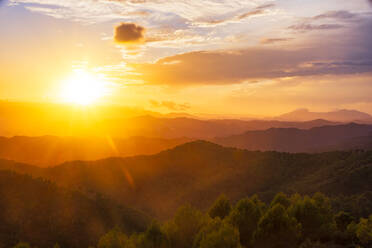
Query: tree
{"points": [[154, 237], [282, 199], [364, 231], [221, 208], [22, 245], [276, 229], [219, 235], [184, 227], [342, 220], [310, 244], [245, 216], [315, 216], [113, 239]]}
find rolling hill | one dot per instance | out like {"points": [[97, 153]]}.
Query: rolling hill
{"points": [[318, 139], [199, 171], [47, 151]]}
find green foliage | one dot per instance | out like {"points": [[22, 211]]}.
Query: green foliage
{"points": [[277, 229], [310, 244], [113, 239], [281, 199], [245, 216], [364, 231], [315, 216], [219, 234], [289, 222], [342, 220], [183, 229], [221, 208], [359, 205], [154, 237], [22, 245], [41, 213]]}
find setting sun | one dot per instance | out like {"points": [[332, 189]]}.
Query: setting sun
{"points": [[83, 88]]}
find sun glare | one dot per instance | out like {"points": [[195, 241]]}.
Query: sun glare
{"points": [[83, 88]]}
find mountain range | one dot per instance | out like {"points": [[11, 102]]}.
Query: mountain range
{"points": [[46, 151], [21, 119], [317, 139], [199, 171], [343, 115]]}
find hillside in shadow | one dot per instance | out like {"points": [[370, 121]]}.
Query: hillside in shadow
{"points": [[198, 172]]}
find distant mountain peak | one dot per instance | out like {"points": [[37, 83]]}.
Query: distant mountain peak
{"points": [[342, 115]]}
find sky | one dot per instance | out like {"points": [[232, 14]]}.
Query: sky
{"points": [[236, 57]]}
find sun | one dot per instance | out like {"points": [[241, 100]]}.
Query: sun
{"points": [[83, 88]]}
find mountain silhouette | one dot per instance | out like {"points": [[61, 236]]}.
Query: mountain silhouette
{"points": [[199, 171], [318, 139], [47, 151], [343, 115], [123, 123]]}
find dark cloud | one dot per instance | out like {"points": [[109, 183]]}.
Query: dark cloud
{"points": [[129, 33], [267, 41], [169, 105], [310, 27]]}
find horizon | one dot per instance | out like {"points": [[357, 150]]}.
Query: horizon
{"points": [[169, 113]]}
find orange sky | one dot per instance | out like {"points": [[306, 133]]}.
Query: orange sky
{"points": [[224, 57]]}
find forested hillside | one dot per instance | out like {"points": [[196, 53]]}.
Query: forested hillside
{"points": [[39, 212], [294, 221], [198, 172]]}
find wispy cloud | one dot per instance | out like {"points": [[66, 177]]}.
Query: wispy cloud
{"points": [[267, 41], [235, 17], [310, 27], [170, 105]]}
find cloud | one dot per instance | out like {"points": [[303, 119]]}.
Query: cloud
{"points": [[169, 105], [303, 27], [341, 15], [347, 56], [257, 11], [266, 6], [267, 41], [250, 13], [104, 10], [129, 33]]}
